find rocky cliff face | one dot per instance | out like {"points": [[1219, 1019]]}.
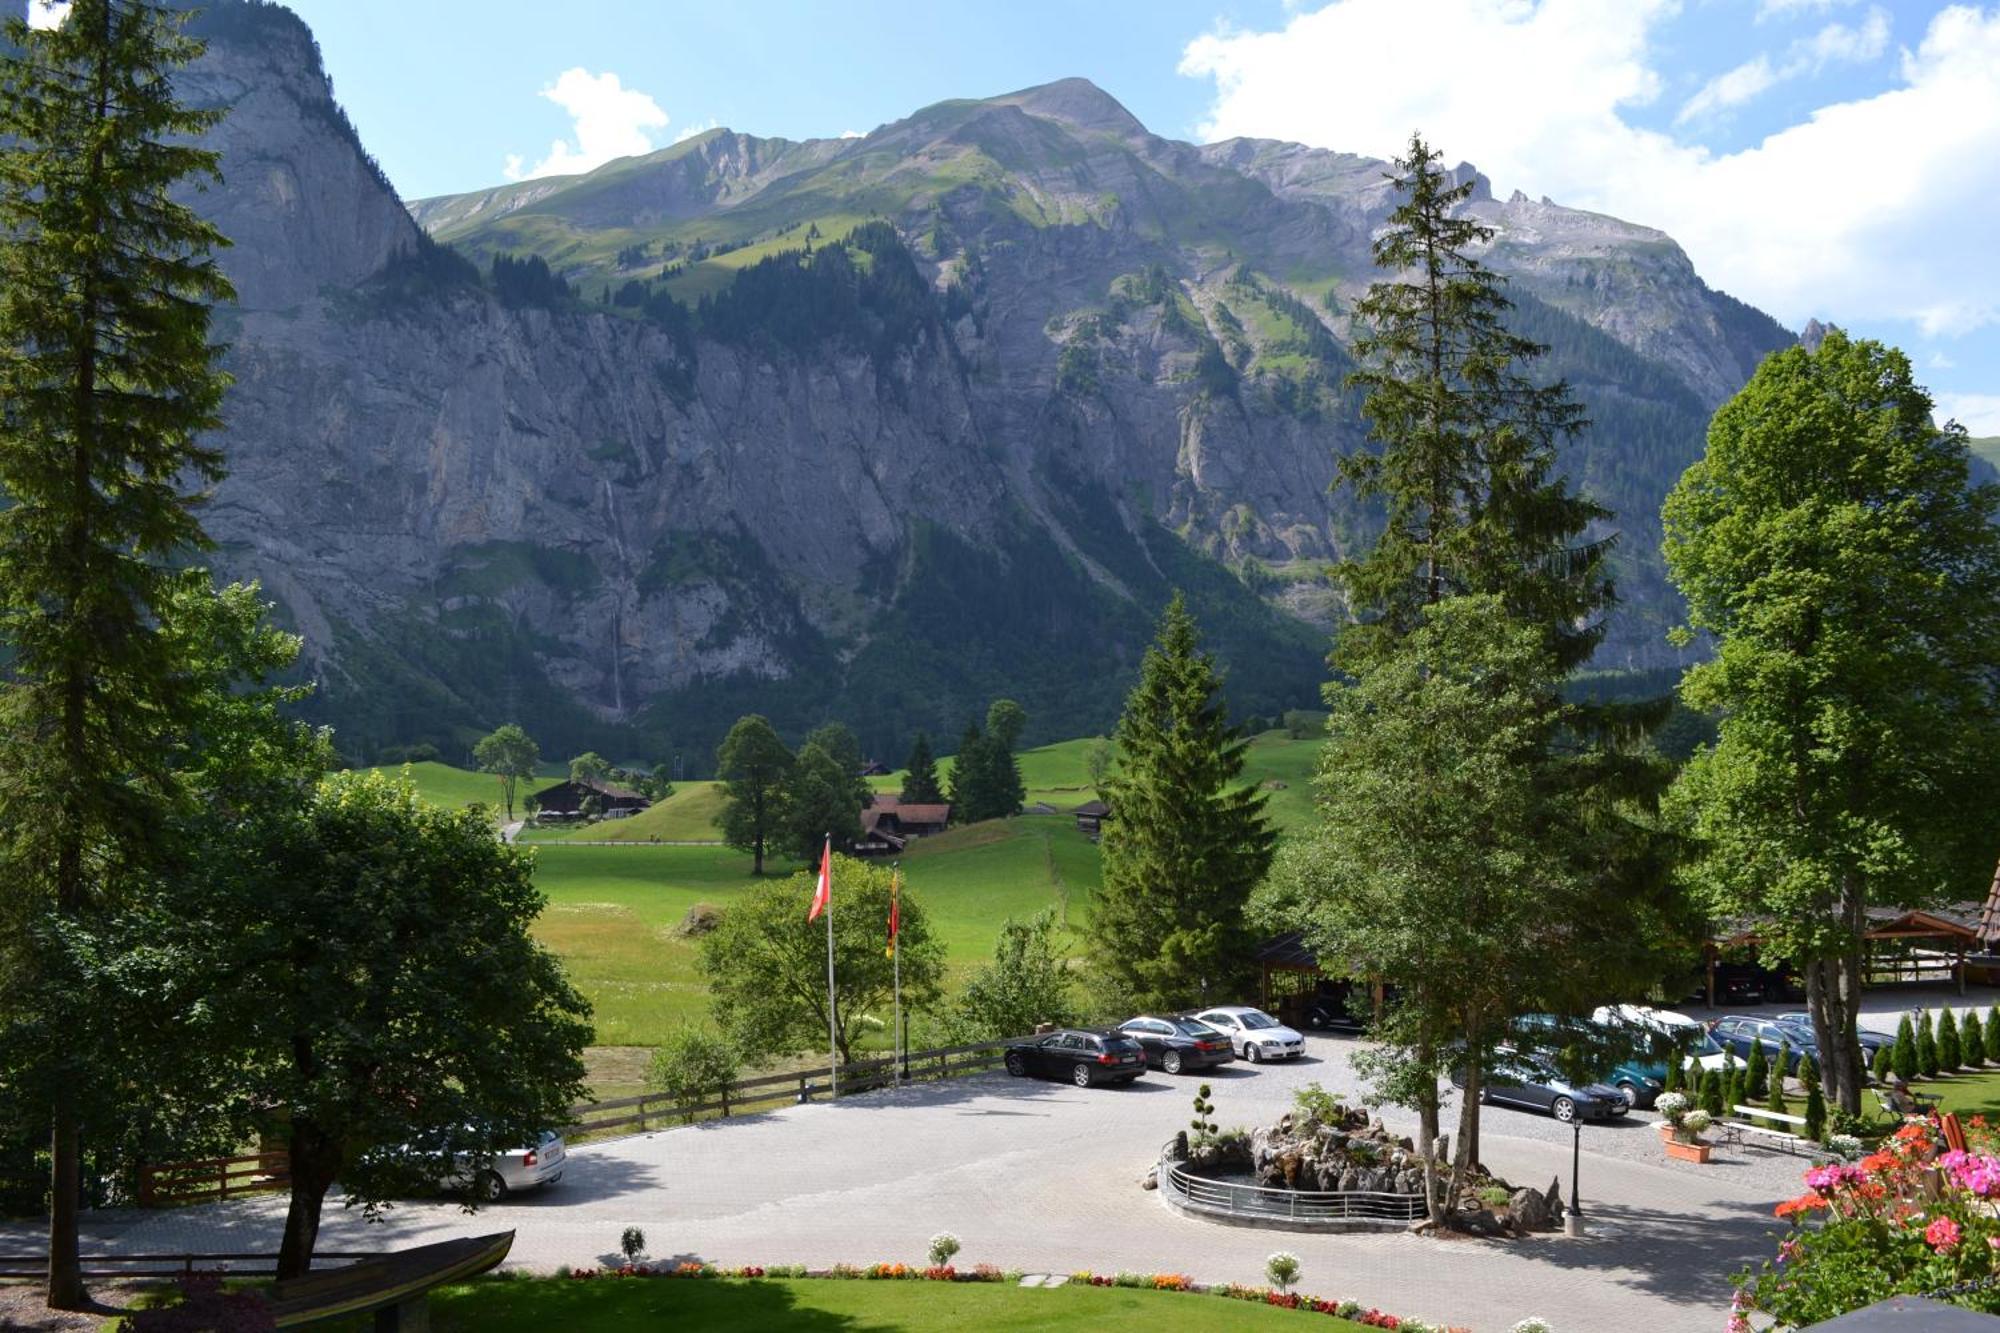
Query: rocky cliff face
{"points": [[622, 525]]}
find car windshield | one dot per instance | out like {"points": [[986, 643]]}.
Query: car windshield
{"points": [[1257, 1019], [1193, 1028], [1120, 1044]]}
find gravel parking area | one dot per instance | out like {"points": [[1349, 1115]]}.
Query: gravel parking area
{"points": [[1044, 1177]]}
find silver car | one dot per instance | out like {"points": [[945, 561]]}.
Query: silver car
{"points": [[1253, 1033], [494, 1178]]}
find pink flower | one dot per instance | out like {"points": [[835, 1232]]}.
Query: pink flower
{"points": [[1942, 1234]]}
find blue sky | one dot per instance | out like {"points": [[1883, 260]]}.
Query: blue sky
{"points": [[1838, 158]]}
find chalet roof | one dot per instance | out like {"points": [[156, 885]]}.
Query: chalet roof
{"points": [[923, 814], [1096, 808], [1989, 914], [1287, 950], [598, 785], [1955, 921]]}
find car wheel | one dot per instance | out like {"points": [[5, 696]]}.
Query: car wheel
{"points": [[1171, 1062], [1080, 1076], [1630, 1093], [1315, 1020], [1017, 1064], [1252, 1054], [1563, 1109], [489, 1187]]}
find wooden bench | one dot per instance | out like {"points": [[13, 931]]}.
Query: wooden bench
{"points": [[395, 1288], [1790, 1141]]}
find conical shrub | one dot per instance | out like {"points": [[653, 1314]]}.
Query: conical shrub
{"points": [[1904, 1061], [1949, 1055], [1972, 1040], [1711, 1092], [1756, 1073], [1885, 1063], [1993, 1035], [1927, 1051]]}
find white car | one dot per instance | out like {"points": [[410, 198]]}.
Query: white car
{"points": [[1254, 1034], [493, 1178]]}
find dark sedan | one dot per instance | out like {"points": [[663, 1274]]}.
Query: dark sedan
{"points": [[1082, 1057], [1801, 1024], [1174, 1044], [1524, 1081], [1740, 1033]]}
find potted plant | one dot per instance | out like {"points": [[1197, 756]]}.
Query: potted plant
{"points": [[1671, 1106], [1686, 1143]]}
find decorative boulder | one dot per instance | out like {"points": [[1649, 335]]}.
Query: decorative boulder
{"points": [[1530, 1210]]}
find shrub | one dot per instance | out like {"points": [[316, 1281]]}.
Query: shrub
{"points": [[1125, 1279], [1884, 1066], [1493, 1196], [1993, 1035], [692, 1066], [632, 1243], [1904, 1061], [1314, 1103], [1756, 1073], [1777, 1099], [943, 1246], [1282, 1268], [1711, 1092], [1532, 1324], [1949, 1055], [1695, 1123], [1927, 1051], [1972, 1040], [1816, 1112]]}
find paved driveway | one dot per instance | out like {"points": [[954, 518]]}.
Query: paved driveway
{"points": [[1044, 1177]]}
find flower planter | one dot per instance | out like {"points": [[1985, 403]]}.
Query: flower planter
{"points": [[1666, 1132], [1688, 1152]]}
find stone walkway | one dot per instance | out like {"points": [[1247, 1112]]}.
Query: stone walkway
{"points": [[1044, 1177]]}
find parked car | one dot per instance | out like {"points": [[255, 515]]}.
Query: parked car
{"points": [[1739, 1034], [491, 1177], [1532, 1083], [1340, 1006], [1255, 1035], [1668, 1021], [1080, 1055], [1174, 1044], [1801, 1023], [1638, 1075]]}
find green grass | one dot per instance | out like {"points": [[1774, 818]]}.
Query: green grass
{"points": [[613, 911], [721, 1305], [441, 784], [688, 815], [1968, 1094]]}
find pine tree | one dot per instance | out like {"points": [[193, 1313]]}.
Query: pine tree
{"points": [[1756, 1073], [1972, 1039], [1469, 444], [1950, 1057], [1190, 841], [970, 786], [110, 384], [1927, 1052], [920, 779], [1904, 1062]]}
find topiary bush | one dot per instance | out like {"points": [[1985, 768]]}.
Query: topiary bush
{"points": [[1949, 1055]]}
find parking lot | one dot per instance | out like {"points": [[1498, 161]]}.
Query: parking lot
{"points": [[1044, 1177]]}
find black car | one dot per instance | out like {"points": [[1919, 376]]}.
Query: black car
{"points": [[1739, 1033], [1801, 1025], [1526, 1081], [1083, 1057], [1174, 1044]]}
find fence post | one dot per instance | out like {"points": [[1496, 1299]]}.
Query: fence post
{"points": [[725, 1101], [222, 1177]]}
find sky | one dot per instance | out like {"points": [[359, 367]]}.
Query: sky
{"points": [[1828, 158]]}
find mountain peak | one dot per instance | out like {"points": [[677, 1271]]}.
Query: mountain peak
{"points": [[1077, 102]]}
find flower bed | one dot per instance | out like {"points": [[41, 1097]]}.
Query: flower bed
{"points": [[1289, 1300], [1910, 1218]]}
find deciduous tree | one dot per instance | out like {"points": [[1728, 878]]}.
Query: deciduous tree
{"points": [[1830, 543], [1028, 982], [753, 765], [510, 754], [819, 802]]}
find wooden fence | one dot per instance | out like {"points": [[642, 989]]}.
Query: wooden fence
{"points": [[634, 1115], [213, 1178], [169, 1265]]}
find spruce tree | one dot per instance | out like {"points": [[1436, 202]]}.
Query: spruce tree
{"points": [[970, 787], [1972, 1040], [1756, 1073], [1927, 1052], [1993, 1035], [1190, 840], [1904, 1061], [1949, 1055], [110, 384], [920, 779]]}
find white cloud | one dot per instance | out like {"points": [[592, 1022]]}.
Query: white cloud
{"points": [[1864, 210], [1977, 412], [1939, 361], [1783, 9], [47, 13], [690, 131], [1835, 44], [609, 121], [852, 134]]}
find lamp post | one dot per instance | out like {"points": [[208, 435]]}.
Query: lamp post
{"points": [[1573, 1218]]}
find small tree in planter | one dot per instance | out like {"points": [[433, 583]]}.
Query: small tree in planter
{"points": [[1282, 1269], [943, 1246], [632, 1243]]}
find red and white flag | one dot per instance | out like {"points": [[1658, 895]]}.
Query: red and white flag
{"points": [[895, 910], [823, 892]]}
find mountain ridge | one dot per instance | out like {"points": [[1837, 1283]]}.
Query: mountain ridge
{"points": [[876, 429]]}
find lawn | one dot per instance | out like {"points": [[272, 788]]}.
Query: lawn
{"points": [[688, 815], [1968, 1094], [441, 784], [719, 1305], [613, 912]]}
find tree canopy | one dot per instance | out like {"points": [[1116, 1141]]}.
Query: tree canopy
{"points": [[920, 779], [753, 765], [510, 754]]}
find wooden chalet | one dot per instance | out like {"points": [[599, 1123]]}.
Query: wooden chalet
{"points": [[1090, 819], [1952, 943], [888, 825], [565, 800], [1290, 976]]}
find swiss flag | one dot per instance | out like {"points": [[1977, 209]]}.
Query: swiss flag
{"points": [[895, 911], [823, 892]]}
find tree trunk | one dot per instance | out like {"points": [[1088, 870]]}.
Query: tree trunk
{"points": [[315, 1162], [1465, 1154], [66, 1291], [1427, 1132]]}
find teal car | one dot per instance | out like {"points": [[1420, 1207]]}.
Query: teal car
{"points": [[1640, 1079]]}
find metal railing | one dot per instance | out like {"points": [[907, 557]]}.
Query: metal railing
{"points": [[1288, 1205]]}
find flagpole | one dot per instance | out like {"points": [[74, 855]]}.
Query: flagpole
{"points": [[832, 1015], [896, 956]]}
